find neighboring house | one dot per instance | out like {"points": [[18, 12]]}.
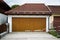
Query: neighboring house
{"points": [[55, 17], [3, 18], [29, 17]]}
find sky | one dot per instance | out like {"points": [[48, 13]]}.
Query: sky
{"points": [[21, 2]]}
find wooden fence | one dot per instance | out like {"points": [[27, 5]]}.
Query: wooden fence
{"points": [[3, 28]]}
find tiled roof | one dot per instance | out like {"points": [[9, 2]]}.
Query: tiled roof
{"points": [[55, 9], [1, 0], [3, 6], [30, 9], [2, 11]]}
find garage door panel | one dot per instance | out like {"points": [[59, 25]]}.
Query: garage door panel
{"points": [[22, 24]]}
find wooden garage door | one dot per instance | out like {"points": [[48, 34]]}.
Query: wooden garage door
{"points": [[28, 24]]}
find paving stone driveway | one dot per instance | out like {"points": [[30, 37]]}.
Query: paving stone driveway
{"points": [[29, 36]]}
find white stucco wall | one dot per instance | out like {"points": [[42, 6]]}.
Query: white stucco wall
{"points": [[51, 22], [3, 18]]}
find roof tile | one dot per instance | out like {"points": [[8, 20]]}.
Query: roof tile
{"points": [[29, 8], [55, 9]]}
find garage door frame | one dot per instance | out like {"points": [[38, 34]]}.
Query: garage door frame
{"points": [[25, 16]]}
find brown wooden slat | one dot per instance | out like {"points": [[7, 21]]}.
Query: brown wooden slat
{"points": [[57, 23], [22, 24], [3, 28]]}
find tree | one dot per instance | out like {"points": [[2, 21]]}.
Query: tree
{"points": [[14, 6]]}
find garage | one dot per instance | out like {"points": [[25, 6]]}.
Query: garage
{"points": [[29, 18], [28, 24]]}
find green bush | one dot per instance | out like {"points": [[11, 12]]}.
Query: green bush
{"points": [[54, 33], [14, 6]]}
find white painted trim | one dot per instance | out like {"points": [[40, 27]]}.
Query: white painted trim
{"points": [[26, 16], [47, 24], [49, 8], [10, 23]]}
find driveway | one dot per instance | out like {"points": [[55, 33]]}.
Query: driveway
{"points": [[29, 36]]}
